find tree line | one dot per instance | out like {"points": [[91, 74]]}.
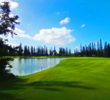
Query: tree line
{"points": [[94, 50], [20, 50]]}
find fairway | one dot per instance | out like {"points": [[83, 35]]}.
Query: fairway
{"points": [[76, 78]]}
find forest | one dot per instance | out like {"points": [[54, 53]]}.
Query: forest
{"points": [[91, 50]]}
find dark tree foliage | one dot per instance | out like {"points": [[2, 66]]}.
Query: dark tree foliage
{"points": [[32, 51], [20, 50], [26, 51], [7, 23], [7, 26], [54, 51], [46, 52], [105, 52], [51, 52], [64, 52], [4, 62]]}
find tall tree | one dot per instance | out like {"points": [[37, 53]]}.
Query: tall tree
{"points": [[7, 26], [55, 52], [20, 50], [25, 51], [105, 52], [32, 51], [7, 23], [46, 51], [66, 51]]}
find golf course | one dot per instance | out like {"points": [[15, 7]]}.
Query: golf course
{"points": [[76, 78], [54, 49]]}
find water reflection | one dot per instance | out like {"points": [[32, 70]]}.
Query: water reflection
{"points": [[29, 66]]}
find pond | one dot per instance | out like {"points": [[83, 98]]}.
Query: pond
{"points": [[29, 66]]}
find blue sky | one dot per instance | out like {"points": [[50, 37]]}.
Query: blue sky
{"points": [[61, 23]]}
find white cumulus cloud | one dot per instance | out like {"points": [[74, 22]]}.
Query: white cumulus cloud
{"points": [[21, 33], [65, 21], [83, 25], [58, 36], [13, 5]]}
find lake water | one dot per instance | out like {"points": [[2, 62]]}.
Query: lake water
{"points": [[29, 66]]}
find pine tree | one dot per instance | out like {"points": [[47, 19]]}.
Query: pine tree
{"points": [[32, 51], [46, 51], [25, 51], [20, 50], [55, 53], [105, 52]]}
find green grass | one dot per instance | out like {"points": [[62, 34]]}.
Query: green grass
{"points": [[77, 78]]}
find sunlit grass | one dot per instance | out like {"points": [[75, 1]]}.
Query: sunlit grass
{"points": [[77, 78]]}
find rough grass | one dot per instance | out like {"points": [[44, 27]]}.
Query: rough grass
{"points": [[72, 79]]}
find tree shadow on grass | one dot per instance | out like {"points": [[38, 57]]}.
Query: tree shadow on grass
{"points": [[18, 83], [7, 96], [54, 85], [12, 84]]}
